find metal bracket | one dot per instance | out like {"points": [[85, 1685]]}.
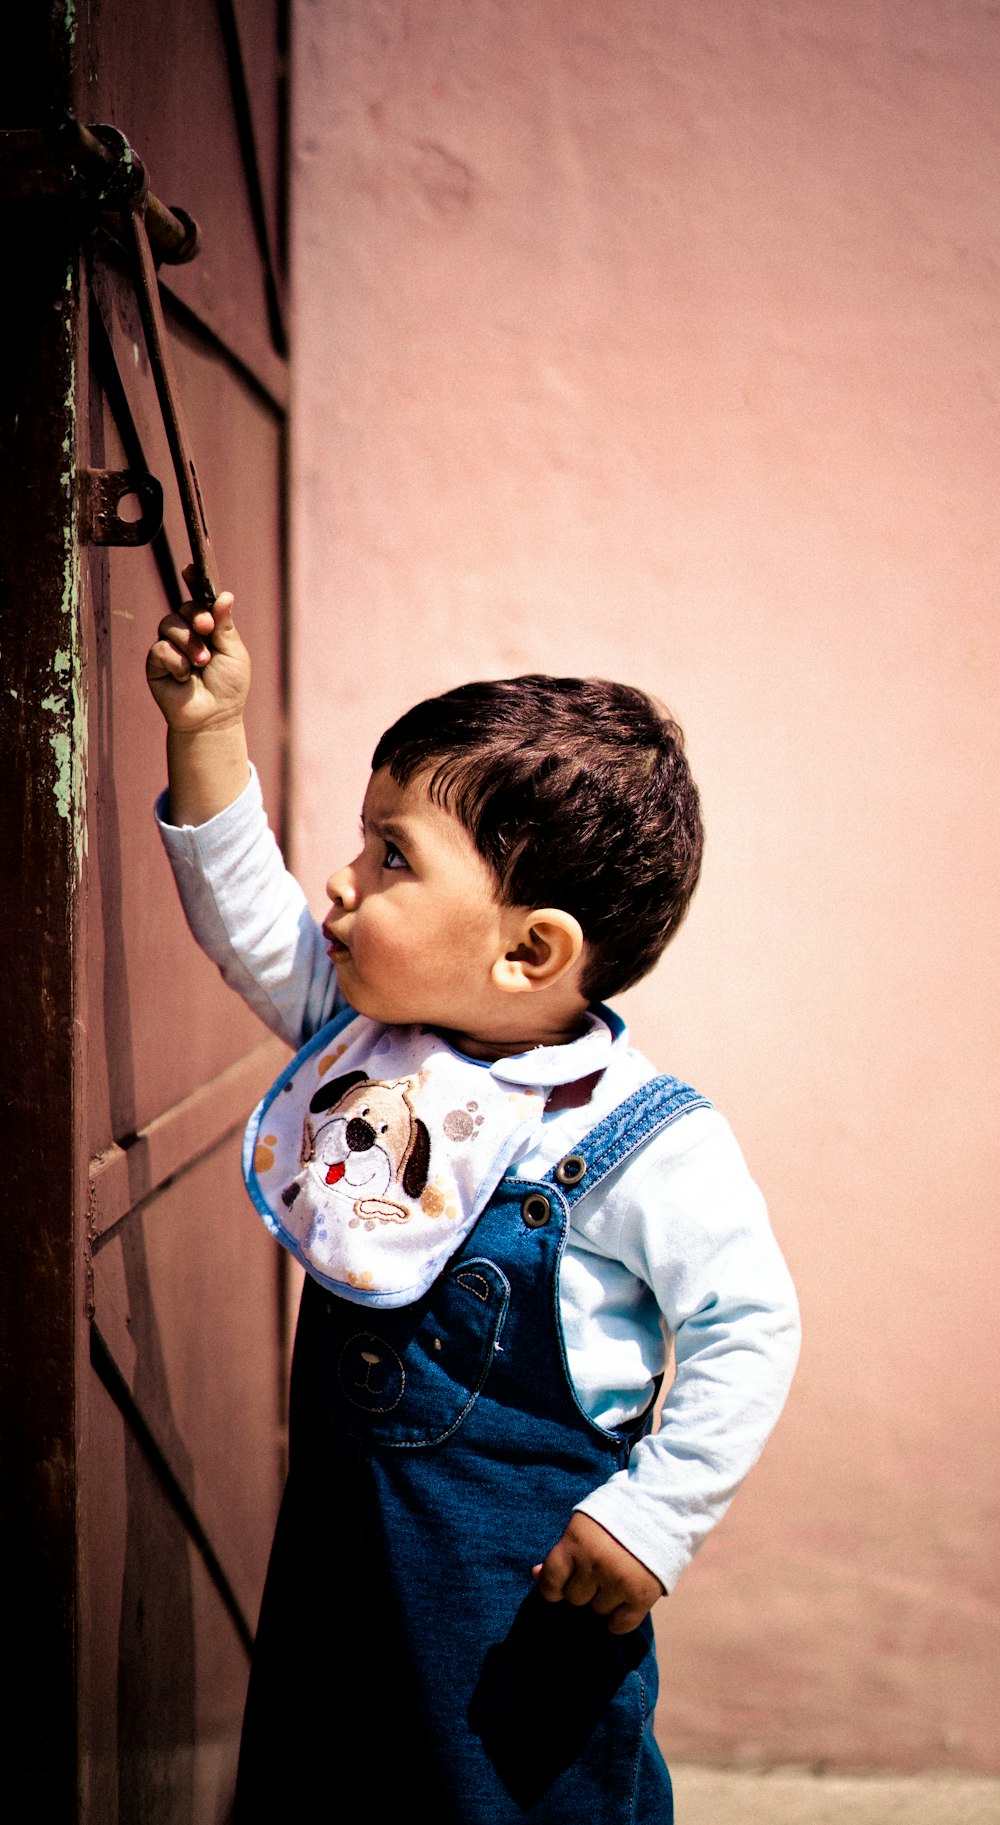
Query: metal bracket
{"points": [[115, 183], [100, 494], [97, 166]]}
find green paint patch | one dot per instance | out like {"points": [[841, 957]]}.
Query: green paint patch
{"points": [[62, 748]]}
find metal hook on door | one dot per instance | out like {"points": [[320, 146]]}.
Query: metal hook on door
{"points": [[203, 589], [124, 189]]}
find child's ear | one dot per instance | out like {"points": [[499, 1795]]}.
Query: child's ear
{"points": [[547, 945]]}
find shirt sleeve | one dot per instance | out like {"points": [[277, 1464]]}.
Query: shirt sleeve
{"points": [[693, 1226], [251, 917]]}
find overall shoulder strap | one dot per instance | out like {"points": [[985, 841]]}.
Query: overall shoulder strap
{"points": [[654, 1106]]}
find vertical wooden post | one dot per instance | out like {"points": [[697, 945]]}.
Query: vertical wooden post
{"points": [[42, 729]]}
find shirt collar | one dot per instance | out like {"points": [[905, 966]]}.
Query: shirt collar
{"points": [[546, 1066]]}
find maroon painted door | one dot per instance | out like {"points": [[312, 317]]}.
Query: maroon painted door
{"points": [[142, 1359]]}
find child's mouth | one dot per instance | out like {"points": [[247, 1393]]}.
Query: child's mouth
{"points": [[335, 949]]}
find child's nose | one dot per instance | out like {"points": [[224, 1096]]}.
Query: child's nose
{"points": [[341, 890]]}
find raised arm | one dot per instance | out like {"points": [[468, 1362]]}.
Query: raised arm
{"points": [[199, 674], [247, 913]]}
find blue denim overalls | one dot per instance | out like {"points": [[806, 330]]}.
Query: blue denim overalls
{"points": [[405, 1665]]}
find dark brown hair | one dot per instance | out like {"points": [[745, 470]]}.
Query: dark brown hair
{"points": [[577, 793]]}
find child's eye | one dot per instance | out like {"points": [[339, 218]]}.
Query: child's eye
{"points": [[394, 858]]}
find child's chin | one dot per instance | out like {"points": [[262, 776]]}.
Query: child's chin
{"points": [[364, 1001]]}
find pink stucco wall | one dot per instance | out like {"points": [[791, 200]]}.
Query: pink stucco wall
{"points": [[660, 341]]}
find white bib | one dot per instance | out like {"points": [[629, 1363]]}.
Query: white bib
{"points": [[377, 1148]]}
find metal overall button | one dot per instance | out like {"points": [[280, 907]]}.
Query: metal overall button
{"points": [[536, 1210], [572, 1169]]}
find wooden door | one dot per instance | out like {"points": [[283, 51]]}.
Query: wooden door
{"points": [[142, 1356]]}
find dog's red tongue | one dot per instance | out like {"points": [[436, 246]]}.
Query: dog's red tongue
{"points": [[335, 1172]]}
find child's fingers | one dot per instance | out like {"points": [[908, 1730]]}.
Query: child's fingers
{"points": [[555, 1574], [622, 1609], [588, 1566], [216, 624], [627, 1617], [219, 617], [176, 631], [164, 661], [581, 1587], [222, 612]]}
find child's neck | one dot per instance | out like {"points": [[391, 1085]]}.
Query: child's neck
{"points": [[489, 1047]]}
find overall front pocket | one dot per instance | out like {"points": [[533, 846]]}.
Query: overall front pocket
{"points": [[405, 1377]]}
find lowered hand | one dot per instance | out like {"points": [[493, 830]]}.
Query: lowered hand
{"points": [[587, 1565]]}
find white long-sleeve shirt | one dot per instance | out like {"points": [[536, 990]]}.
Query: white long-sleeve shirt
{"points": [[674, 1245]]}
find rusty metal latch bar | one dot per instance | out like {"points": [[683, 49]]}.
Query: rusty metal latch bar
{"points": [[204, 586], [103, 166], [126, 187]]}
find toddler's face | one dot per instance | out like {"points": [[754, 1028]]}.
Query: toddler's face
{"points": [[414, 925]]}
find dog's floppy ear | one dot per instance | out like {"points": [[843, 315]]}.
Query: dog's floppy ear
{"points": [[331, 1093], [416, 1160]]}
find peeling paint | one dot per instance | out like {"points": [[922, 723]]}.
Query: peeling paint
{"points": [[66, 703], [62, 748]]}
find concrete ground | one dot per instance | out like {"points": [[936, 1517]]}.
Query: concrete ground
{"points": [[714, 1796]]}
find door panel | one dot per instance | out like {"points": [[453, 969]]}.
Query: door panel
{"points": [[143, 1307], [150, 1040], [164, 78], [184, 1289], [163, 1667]]}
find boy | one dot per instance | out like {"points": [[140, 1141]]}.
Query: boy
{"points": [[503, 1213]]}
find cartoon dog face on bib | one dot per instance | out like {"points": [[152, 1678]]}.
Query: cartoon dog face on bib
{"points": [[373, 1177], [360, 1139]]}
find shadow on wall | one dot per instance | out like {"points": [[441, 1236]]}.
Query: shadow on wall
{"points": [[156, 1693]]}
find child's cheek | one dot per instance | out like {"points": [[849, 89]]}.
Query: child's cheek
{"points": [[380, 952]]}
